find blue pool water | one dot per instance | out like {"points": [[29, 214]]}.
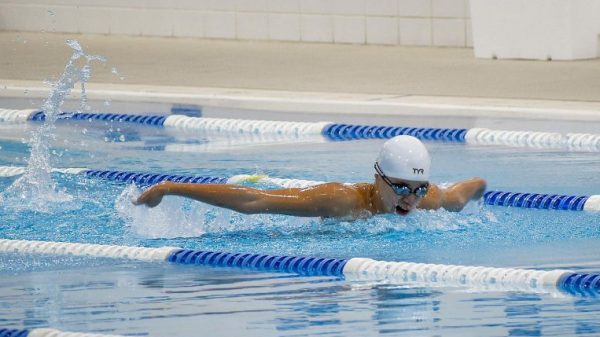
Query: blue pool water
{"points": [[120, 297]]}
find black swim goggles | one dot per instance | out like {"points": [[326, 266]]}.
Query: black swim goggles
{"points": [[402, 189]]}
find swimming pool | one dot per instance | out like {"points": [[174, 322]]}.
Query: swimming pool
{"points": [[123, 297]]}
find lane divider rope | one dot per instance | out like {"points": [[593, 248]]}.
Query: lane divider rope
{"points": [[45, 332], [541, 140], [333, 131], [354, 269], [541, 201], [494, 198]]}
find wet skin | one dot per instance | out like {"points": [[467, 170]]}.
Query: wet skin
{"points": [[330, 200]]}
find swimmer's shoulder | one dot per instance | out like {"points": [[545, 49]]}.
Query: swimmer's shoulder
{"points": [[355, 191], [354, 197], [433, 199], [363, 191], [362, 187], [348, 186]]}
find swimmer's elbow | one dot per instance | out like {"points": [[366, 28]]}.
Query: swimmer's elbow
{"points": [[459, 195]]}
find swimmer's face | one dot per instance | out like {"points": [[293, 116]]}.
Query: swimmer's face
{"points": [[401, 196]]}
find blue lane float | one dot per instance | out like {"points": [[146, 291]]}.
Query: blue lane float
{"points": [[353, 132], [353, 269], [308, 266], [14, 333], [536, 200], [155, 120], [494, 198], [45, 332], [585, 284], [332, 131], [145, 179]]}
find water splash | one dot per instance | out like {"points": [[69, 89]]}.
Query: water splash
{"points": [[115, 72], [165, 221], [36, 190]]}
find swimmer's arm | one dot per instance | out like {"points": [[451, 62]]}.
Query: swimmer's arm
{"points": [[327, 200], [455, 197]]}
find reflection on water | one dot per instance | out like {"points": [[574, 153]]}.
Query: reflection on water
{"points": [[167, 300]]}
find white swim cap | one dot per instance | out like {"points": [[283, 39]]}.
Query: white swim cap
{"points": [[404, 157]]}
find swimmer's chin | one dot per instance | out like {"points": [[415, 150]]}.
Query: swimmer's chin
{"points": [[401, 211]]}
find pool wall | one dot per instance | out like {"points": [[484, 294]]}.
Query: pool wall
{"points": [[395, 22]]}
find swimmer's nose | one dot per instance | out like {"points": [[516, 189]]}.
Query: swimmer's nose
{"points": [[410, 199]]}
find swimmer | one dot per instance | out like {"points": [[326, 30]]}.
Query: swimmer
{"points": [[401, 184]]}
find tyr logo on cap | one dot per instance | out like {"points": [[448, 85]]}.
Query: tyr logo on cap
{"points": [[418, 171]]}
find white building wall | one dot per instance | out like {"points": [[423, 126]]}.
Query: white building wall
{"points": [[387, 22], [536, 29]]}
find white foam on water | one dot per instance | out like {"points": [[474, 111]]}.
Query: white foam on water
{"points": [[167, 220]]}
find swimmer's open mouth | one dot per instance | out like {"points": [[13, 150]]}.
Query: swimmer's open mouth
{"points": [[401, 211]]}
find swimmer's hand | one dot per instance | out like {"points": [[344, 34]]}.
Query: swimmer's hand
{"points": [[152, 196]]}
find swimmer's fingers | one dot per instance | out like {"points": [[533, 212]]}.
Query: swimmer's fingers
{"points": [[150, 197]]}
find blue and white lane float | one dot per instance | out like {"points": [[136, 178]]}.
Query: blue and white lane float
{"points": [[543, 201], [354, 269], [333, 131], [44, 332], [494, 198]]}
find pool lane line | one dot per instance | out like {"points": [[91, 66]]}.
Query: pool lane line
{"points": [[542, 201], [334, 131], [353, 269], [45, 332], [493, 198]]}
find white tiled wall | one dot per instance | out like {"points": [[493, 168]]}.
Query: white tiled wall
{"points": [[284, 27], [382, 30], [382, 8], [220, 25], [252, 26], [283, 6], [415, 31], [189, 23], [349, 29], [388, 22], [420, 8], [448, 8], [448, 32]]}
